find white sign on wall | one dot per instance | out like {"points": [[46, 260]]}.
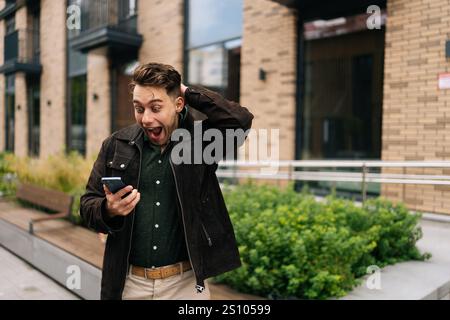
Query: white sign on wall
{"points": [[444, 81]]}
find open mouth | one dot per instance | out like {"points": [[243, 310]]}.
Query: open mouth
{"points": [[154, 133]]}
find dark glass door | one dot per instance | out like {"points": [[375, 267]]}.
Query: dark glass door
{"points": [[34, 119], [9, 113], [343, 97], [340, 116], [234, 74], [77, 121]]}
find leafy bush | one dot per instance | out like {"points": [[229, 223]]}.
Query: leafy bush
{"points": [[67, 173], [293, 246], [7, 176]]}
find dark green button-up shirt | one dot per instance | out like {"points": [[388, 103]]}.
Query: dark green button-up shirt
{"points": [[158, 234]]}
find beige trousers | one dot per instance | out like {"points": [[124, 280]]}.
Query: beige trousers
{"points": [[177, 287]]}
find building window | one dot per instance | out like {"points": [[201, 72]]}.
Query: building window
{"points": [[34, 119], [213, 42], [77, 100], [9, 113], [10, 24], [127, 8]]}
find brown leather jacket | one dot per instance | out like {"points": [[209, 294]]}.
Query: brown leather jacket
{"points": [[209, 233]]}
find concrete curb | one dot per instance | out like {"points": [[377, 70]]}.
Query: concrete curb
{"points": [[51, 260]]}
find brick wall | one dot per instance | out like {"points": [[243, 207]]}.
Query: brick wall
{"points": [[21, 103], [53, 78], [269, 42], [98, 113], [21, 116], [416, 114], [161, 24]]}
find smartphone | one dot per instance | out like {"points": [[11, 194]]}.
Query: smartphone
{"points": [[114, 184]]}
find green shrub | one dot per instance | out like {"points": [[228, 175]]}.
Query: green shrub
{"points": [[293, 246], [7, 176]]}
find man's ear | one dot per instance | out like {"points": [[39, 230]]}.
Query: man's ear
{"points": [[179, 104]]}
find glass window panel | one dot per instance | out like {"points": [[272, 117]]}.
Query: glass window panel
{"points": [[207, 66], [127, 8], [78, 114], [9, 113], [34, 121], [342, 97], [213, 21], [77, 63], [10, 25]]}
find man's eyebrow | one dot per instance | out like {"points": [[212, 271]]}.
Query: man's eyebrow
{"points": [[151, 101]]}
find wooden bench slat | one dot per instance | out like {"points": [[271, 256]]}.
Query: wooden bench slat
{"points": [[50, 199], [54, 200]]}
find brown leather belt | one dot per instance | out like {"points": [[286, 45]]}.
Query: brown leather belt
{"points": [[161, 272]]}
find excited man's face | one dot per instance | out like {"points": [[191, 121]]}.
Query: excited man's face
{"points": [[156, 112]]}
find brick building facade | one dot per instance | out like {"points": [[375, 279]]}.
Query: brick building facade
{"points": [[334, 88], [415, 111]]}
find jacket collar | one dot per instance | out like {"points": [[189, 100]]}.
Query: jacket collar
{"points": [[130, 133], [193, 115]]}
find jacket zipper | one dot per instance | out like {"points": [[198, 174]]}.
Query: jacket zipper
{"points": [[182, 215], [207, 235], [132, 220]]}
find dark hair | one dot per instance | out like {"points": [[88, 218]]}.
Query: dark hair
{"points": [[159, 75]]}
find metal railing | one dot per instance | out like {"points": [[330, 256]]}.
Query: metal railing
{"points": [[108, 13], [289, 170]]}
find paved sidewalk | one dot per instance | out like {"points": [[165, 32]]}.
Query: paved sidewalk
{"points": [[20, 281], [414, 280]]}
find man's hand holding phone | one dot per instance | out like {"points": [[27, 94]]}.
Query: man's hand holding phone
{"points": [[116, 206]]}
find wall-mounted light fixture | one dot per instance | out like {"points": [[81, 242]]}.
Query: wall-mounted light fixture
{"points": [[95, 97], [18, 107], [262, 74], [49, 103]]}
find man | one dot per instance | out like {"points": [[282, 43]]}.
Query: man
{"points": [[169, 229]]}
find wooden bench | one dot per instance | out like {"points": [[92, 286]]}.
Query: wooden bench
{"points": [[53, 200]]}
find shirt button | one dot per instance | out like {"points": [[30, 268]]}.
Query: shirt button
{"points": [[159, 161], [158, 204], [122, 166], [155, 247], [158, 182], [156, 226]]}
